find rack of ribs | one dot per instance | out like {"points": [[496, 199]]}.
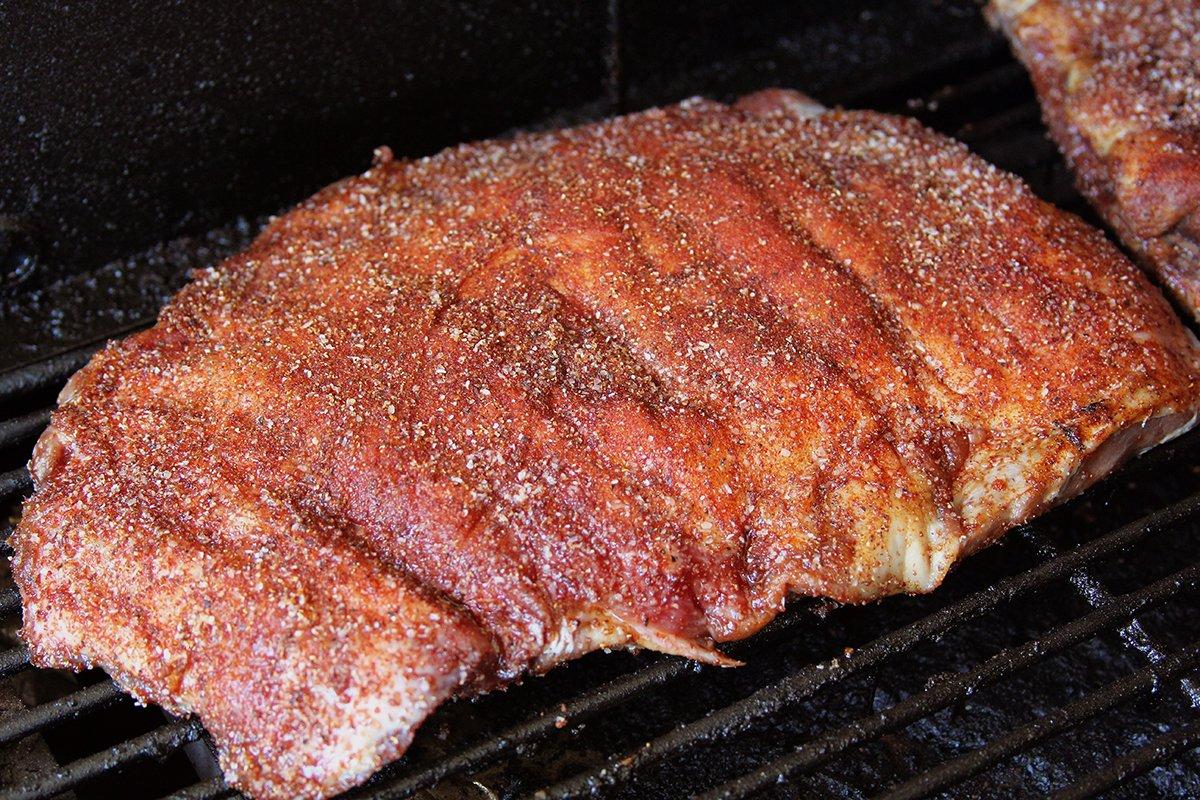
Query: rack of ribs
{"points": [[1119, 84], [462, 418]]}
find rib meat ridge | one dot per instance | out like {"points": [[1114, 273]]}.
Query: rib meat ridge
{"points": [[462, 418], [1119, 84]]}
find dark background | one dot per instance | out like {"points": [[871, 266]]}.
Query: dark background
{"points": [[141, 139], [131, 121], [128, 124]]}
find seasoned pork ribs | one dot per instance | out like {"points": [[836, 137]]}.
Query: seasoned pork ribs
{"points": [[632, 383], [1119, 82]]}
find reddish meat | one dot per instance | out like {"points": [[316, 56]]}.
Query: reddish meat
{"points": [[632, 383], [1119, 83]]}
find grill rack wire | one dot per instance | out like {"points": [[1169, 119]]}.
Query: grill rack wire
{"points": [[998, 84]]}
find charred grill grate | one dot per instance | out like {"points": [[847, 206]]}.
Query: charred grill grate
{"points": [[1097, 602]]}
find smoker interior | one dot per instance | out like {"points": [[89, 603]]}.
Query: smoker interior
{"points": [[1062, 660]]}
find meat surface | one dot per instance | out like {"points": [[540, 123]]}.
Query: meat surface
{"points": [[1119, 84], [633, 383]]}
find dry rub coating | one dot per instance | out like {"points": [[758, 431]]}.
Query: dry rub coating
{"points": [[1119, 82], [465, 417]]}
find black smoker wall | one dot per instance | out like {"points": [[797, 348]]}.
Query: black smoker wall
{"points": [[131, 122]]}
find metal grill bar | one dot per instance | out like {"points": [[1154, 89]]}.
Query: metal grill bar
{"points": [[45, 374], [56, 712], [13, 483], [817, 751], [1133, 764], [810, 680], [14, 660], [1090, 588], [1126, 688], [19, 429], [10, 601], [514, 740], [54, 370], [586, 705], [769, 700], [211, 789], [156, 744]]}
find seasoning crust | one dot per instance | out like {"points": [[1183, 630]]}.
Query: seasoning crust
{"points": [[1119, 84], [633, 383]]}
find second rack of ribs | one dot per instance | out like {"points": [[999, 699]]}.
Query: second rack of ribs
{"points": [[632, 383]]}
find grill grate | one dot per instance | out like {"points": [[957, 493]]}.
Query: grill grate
{"points": [[1110, 612], [1089, 585], [803, 684]]}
